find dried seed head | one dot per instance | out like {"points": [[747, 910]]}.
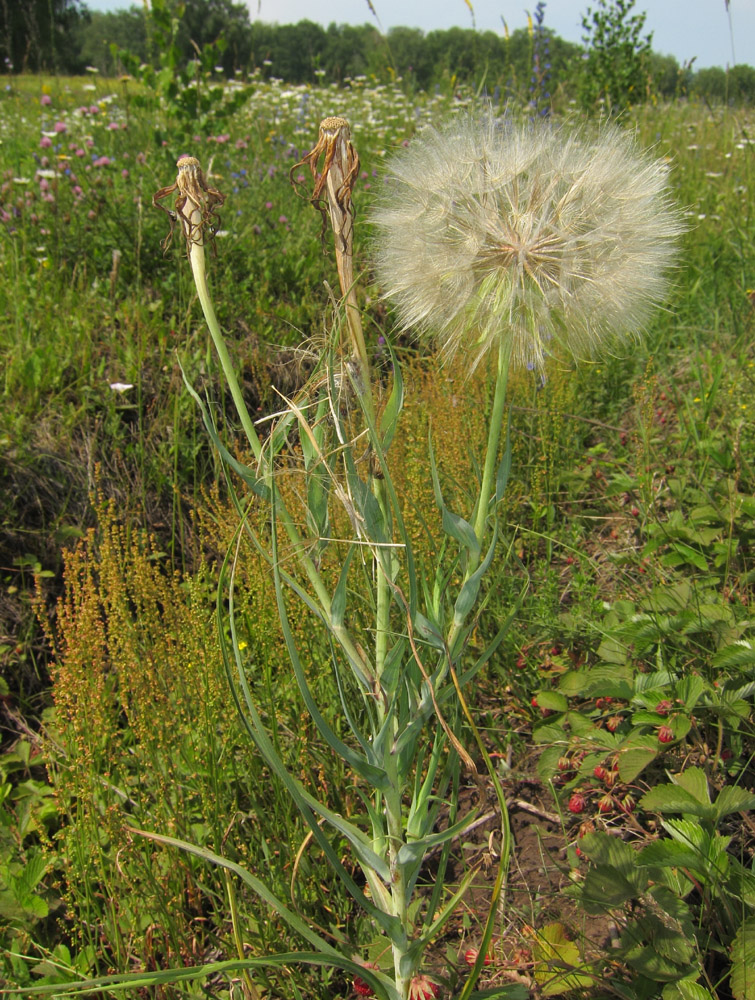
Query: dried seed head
{"points": [[335, 179], [526, 237], [195, 205]]}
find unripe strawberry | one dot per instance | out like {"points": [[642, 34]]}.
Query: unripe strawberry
{"points": [[470, 957]]}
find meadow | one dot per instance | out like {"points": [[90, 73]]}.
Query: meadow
{"points": [[616, 702]]}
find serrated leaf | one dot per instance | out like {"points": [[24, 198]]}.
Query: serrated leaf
{"points": [[603, 887], [633, 760], [557, 961], [646, 960], [669, 853], [552, 701], [731, 799], [737, 654], [742, 979], [686, 989], [603, 849], [695, 781], [670, 799]]}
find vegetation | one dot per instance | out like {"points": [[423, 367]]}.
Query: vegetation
{"points": [[615, 62], [617, 705]]}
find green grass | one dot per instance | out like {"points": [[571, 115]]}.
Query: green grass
{"points": [[630, 510]]}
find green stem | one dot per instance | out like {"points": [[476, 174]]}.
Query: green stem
{"points": [[491, 456], [196, 257]]}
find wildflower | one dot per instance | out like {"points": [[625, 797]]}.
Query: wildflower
{"points": [[45, 99], [492, 234], [60, 127], [45, 142]]}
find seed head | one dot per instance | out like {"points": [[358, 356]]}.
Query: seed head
{"points": [[195, 204], [530, 236]]}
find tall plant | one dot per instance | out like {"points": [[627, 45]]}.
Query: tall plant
{"points": [[616, 67], [509, 245]]}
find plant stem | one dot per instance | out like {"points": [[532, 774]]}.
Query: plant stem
{"points": [[491, 455], [197, 260]]}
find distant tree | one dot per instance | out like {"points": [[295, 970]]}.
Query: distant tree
{"points": [[615, 69], [406, 52], [349, 50], [741, 84], [124, 29], [667, 79], [204, 22], [33, 35]]}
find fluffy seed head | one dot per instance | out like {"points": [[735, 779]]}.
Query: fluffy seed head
{"points": [[530, 236]]}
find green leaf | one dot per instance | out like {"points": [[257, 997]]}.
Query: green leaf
{"points": [[557, 962], [695, 781], [732, 799], [669, 853], [742, 979], [392, 411], [633, 760], [512, 991], [738, 654], [670, 799], [338, 604], [603, 849], [416, 849], [605, 888], [552, 701], [468, 594], [686, 989], [646, 960]]}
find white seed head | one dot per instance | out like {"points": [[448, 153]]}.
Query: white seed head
{"points": [[525, 236]]}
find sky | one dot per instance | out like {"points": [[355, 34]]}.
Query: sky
{"points": [[687, 29]]}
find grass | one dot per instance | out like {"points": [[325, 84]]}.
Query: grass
{"points": [[630, 514]]}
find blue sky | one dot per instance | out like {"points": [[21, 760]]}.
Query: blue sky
{"points": [[700, 29]]}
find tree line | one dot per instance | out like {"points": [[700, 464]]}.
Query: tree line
{"points": [[531, 63]]}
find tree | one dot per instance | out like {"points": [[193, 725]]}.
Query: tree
{"points": [[122, 29], [616, 64], [32, 35]]}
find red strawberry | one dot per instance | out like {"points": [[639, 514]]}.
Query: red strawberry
{"points": [[576, 803]]}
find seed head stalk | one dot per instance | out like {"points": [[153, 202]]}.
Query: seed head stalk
{"points": [[334, 182], [195, 207]]}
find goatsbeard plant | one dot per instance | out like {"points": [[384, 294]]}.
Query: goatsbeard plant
{"points": [[501, 242]]}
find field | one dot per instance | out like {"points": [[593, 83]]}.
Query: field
{"points": [[612, 645]]}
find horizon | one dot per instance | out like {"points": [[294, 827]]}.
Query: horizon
{"points": [[705, 32]]}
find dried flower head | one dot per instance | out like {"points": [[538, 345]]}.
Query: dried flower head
{"points": [[524, 236], [334, 181], [195, 204], [335, 178]]}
